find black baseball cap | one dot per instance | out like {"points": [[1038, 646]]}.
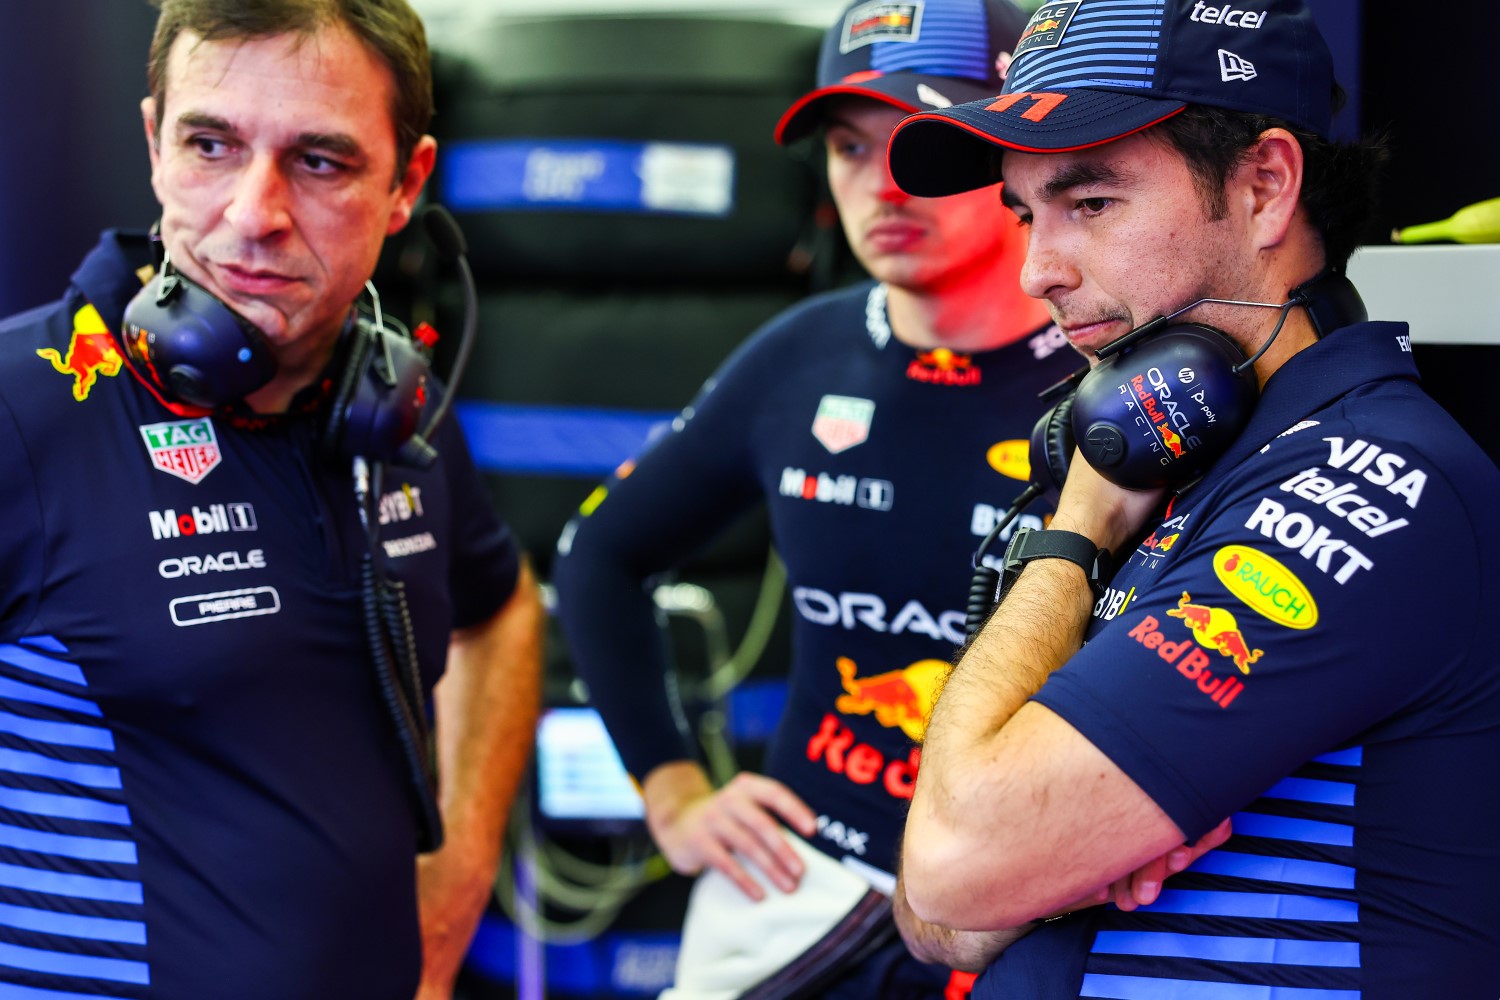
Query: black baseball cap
{"points": [[1087, 72], [916, 56]]}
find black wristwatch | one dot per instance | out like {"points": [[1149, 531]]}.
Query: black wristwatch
{"points": [[1035, 543]]}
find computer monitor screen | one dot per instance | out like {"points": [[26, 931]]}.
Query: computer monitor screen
{"points": [[581, 784]]}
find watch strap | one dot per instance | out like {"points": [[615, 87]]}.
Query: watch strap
{"points": [[1038, 543]]}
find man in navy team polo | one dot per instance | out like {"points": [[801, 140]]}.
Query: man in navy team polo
{"points": [[204, 787], [1297, 637]]}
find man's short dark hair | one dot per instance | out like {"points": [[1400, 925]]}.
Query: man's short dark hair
{"points": [[1339, 179], [390, 28]]}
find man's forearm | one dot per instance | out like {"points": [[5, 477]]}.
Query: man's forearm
{"points": [[1037, 628], [486, 707], [978, 783]]}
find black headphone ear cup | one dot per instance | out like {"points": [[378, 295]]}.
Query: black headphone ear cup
{"points": [[381, 391], [191, 346], [1159, 413], [1052, 446], [336, 417]]}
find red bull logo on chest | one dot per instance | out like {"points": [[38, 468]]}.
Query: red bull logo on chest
{"points": [[187, 449], [897, 698], [944, 367], [91, 353]]}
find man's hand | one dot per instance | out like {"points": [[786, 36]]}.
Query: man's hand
{"points": [[453, 887], [973, 951], [1095, 507], [697, 827], [1143, 886], [486, 706]]}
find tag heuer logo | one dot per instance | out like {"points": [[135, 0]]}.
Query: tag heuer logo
{"points": [[843, 422], [186, 449]]}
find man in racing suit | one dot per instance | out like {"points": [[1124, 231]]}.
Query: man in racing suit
{"points": [[885, 426]]}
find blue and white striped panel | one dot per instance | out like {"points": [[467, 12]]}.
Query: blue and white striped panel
{"points": [[953, 40], [1134, 988], [1272, 915], [71, 901], [1109, 43]]}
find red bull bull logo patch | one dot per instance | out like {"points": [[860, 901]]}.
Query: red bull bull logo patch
{"points": [[944, 367], [187, 449], [1046, 28], [1267, 586], [1189, 659], [1216, 629], [897, 699], [1171, 439], [91, 353]]}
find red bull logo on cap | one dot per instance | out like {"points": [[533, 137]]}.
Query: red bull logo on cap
{"points": [[897, 698], [1216, 628], [881, 21], [91, 353], [1047, 26]]}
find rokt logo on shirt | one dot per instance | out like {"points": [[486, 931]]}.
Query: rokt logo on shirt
{"points": [[217, 517], [186, 449]]}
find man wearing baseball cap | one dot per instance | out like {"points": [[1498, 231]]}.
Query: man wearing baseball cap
{"points": [[883, 425], [1294, 638]]}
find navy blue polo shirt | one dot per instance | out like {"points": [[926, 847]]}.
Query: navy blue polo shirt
{"points": [[200, 793], [1301, 645]]}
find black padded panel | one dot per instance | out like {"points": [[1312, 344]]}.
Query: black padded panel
{"points": [[557, 345], [610, 346], [679, 80]]}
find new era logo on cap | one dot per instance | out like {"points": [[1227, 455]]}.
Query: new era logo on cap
{"points": [[1233, 67], [880, 21]]}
